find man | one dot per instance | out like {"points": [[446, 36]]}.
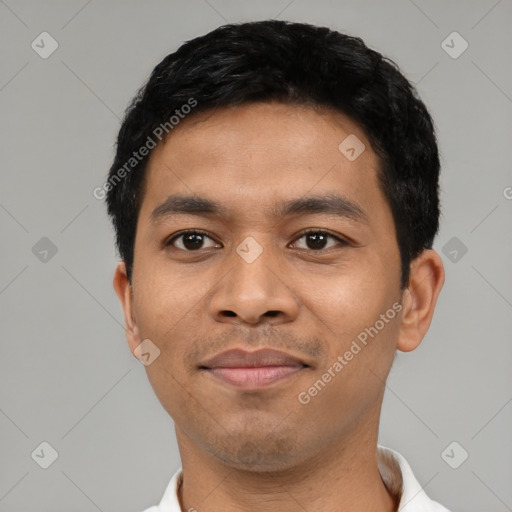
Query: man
{"points": [[275, 199]]}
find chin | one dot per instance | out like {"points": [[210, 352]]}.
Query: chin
{"points": [[265, 454]]}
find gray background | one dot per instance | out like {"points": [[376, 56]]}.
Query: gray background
{"points": [[66, 374]]}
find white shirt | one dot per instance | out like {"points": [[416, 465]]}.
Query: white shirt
{"points": [[395, 472]]}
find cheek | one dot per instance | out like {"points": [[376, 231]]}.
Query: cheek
{"points": [[349, 299], [164, 297], [357, 314], [360, 326]]}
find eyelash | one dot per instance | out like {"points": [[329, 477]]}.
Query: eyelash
{"points": [[340, 241]]}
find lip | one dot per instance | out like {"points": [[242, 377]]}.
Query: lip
{"points": [[253, 370]]}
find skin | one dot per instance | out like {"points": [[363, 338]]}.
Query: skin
{"points": [[263, 450]]}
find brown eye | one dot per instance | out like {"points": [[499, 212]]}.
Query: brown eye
{"points": [[318, 240], [190, 241]]}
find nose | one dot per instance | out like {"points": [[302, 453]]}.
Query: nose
{"points": [[253, 292]]}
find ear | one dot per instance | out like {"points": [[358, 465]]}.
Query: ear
{"points": [[419, 299], [124, 293]]}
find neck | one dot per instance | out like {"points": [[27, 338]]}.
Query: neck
{"points": [[344, 476]]}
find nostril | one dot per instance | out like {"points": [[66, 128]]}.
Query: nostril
{"points": [[272, 313]]}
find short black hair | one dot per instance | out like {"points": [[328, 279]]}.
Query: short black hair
{"points": [[297, 63]]}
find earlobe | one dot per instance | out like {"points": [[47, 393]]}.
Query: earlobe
{"points": [[124, 293], [420, 298]]}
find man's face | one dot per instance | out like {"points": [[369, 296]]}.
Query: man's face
{"points": [[309, 296]]}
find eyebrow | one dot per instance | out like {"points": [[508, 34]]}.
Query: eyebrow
{"points": [[333, 204]]}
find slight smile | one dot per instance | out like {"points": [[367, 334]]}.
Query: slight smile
{"points": [[253, 370]]}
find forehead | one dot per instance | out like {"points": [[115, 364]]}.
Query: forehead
{"points": [[250, 157]]}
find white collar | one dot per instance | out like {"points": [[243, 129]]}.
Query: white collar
{"points": [[395, 472]]}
